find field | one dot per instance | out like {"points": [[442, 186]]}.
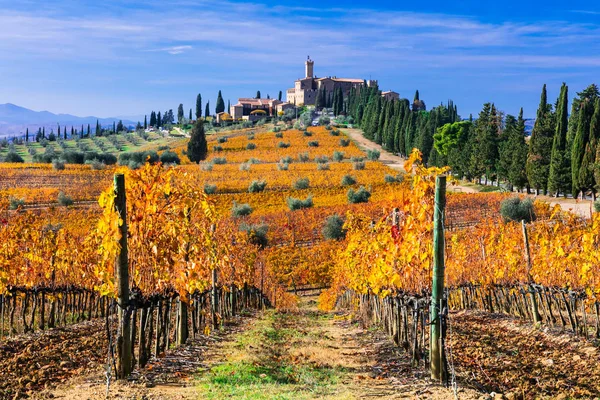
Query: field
{"points": [[256, 225]]}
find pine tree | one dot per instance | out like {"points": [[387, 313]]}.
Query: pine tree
{"points": [[180, 113], [540, 146], [559, 180], [220, 107], [199, 106], [197, 148], [207, 110]]}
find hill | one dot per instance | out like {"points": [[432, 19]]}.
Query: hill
{"points": [[15, 119]]}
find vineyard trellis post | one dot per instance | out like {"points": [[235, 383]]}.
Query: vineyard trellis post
{"points": [[436, 347], [215, 293], [124, 353], [537, 319]]}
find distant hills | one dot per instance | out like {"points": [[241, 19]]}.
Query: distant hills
{"points": [[14, 120]]}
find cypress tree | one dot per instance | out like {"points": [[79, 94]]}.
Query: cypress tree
{"points": [[318, 99], [27, 135], [72, 131], [228, 106], [120, 127], [540, 146], [559, 180], [516, 143], [153, 119], [220, 107], [207, 110], [504, 147], [158, 120], [180, 113], [586, 178], [88, 131], [146, 121], [197, 148], [280, 95], [258, 94], [190, 117], [199, 106], [114, 127]]}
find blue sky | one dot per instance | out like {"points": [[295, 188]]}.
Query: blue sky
{"points": [[127, 57]]}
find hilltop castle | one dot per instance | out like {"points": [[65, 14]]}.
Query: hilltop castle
{"points": [[305, 89]]}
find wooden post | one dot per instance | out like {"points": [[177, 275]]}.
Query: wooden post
{"points": [[215, 296], [436, 358], [532, 297], [182, 328], [124, 359]]}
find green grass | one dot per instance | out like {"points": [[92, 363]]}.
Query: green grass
{"points": [[261, 366]]}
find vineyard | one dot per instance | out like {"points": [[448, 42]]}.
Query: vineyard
{"points": [[171, 253]]}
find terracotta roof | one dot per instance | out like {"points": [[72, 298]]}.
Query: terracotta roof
{"points": [[349, 80], [258, 102]]}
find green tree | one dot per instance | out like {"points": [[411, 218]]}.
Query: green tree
{"points": [[207, 110], [258, 94], [145, 122], [559, 180], [199, 106], [516, 143], [120, 127], [180, 114], [27, 135], [580, 142], [197, 148], [540, 146], [190, 115], [153, 119], [485, 151], [280, 95], [220, 107], [158, 120]]}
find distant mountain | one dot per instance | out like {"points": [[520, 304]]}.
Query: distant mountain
{"points": [[14, 120]]}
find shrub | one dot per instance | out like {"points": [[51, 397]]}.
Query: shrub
{"points": [[515, 209], [253, 161], [219, 160], [307, 133], [357, 159], [241, 210], [334, 132], [207, 167], [64, 200], [210, 189], [250, 136], [321, 159], [283, 145], [348, 180], [14, 203], [394, 179], [344, 142], [362, 195], [299, 204], [139, 157], [313, 143], [169, 157], [217, 149], [245, 166], [279, 135], [286, 160], [13, 157], [250, 146], [257, 233], [96, 165], [338, 156], [276, 129], [323, 167], [359, 165], [283, 166], [222, 139], [333, 229], [302, 183], [303, 157], [328, 127], [257, 186], [58, 165], [163, 148], [105, 158], [373, 155], [134, 164]]}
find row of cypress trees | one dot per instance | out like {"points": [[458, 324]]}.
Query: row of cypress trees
{"points": [[562, 155]]}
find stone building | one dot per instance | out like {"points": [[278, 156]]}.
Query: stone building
{"points": [[305, 90]]}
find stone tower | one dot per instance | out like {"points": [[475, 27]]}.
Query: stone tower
{"points": [[309, 67]]}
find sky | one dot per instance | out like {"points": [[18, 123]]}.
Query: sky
{"points": [[128, 57]]}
